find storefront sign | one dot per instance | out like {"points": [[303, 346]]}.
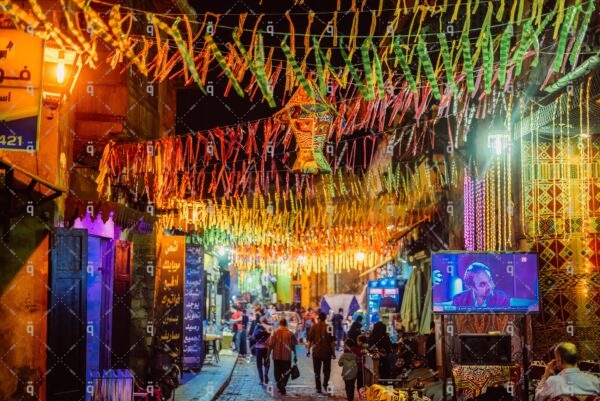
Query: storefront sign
{"points": [[170, 295], [194, 307], [21, 60]]}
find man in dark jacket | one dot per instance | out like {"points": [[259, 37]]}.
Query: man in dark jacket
{"points": [[338, 328], [321, 343]]}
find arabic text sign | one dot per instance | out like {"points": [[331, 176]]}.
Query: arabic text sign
{"points": [[21, 60], [193, 308], [170, 296]]}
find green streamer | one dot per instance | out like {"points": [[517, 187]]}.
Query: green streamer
{"points": [[320, 72], [296, 68], [488, 60], [256, 66], [466, 48], [366, 46], [523, 46], [504, 50], [447, 60], [401, 58], [378, 72], [361, 87], [582, 30], [585, 68], [428, 67], [369, 78], [564, 36], [188, 60], [260, 73], [221, 61]]}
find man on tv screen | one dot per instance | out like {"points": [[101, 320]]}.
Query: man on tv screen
{"points": [[481, 290]]}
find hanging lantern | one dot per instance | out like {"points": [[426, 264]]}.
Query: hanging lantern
{"points": [[310, 119]]}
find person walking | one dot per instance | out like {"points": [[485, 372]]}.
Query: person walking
{"points": [[261, 335], [282, 346], [309, 320], [322, 345], [349, 363], [356, 328], [337, 321], [242, 332]]}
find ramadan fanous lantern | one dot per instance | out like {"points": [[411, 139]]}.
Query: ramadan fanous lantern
{"points": [[310, 119]]}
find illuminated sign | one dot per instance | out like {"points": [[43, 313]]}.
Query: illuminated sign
{"points": [[21, 60]]}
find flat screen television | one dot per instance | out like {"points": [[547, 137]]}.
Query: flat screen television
{"points": [[479, 282]]}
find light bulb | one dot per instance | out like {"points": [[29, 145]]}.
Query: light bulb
{"points": [[60, 68]]}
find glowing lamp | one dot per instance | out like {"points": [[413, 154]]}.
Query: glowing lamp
{"points": [[61, 70]]}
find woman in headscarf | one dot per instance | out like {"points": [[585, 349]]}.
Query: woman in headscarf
{"points": [[380, 343]]}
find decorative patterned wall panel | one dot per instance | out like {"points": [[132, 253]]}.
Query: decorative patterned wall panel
{"points": [[561, 217]]}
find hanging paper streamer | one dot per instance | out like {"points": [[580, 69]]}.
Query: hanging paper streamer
{"points": [[361, 86], [488, 61], [321, 75], [401, 59], [447, 59], [523, 46], [428, 67], [589, 65], [369, 78], [310, 120], [564, 36], [210, 43], [582, 31], [257, 66], [188, 60], [504, 50], [468, 65], [296, 68]]}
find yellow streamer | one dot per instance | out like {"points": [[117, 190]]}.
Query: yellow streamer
{"points": [[373, 24], [500, 12], [311, 18], [456, 10], [559, 18]]}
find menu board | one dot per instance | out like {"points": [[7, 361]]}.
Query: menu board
{"points": [[170, 296], [193, 308]]}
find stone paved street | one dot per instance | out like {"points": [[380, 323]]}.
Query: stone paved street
{"points": [[244, 385]]}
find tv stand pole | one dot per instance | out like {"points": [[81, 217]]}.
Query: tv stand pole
{"points": [[525, 352]]}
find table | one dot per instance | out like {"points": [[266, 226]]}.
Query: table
{"points": [[211, 342], [472, 380]]}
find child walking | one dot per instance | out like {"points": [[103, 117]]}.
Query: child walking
{"points": [[349, 363]]}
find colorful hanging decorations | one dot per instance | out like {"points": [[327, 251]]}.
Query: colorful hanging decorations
{"points": [[310, 120], [130, 49], [267, 231]]}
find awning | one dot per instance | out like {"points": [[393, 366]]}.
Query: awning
{"points": [[21, 190], [11, 167]]}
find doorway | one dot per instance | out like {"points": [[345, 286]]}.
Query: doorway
{"points": [[89, 310]]}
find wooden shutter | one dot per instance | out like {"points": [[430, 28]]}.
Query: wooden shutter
{"points": [[67, 318]]}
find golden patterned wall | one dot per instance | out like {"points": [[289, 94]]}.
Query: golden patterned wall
{"points": [[561, 219]]}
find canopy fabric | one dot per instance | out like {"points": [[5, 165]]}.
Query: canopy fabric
{"points": [[348, 302], [416, 309]]}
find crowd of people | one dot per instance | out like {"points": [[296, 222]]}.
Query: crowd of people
{"points": [[270, 333], [271, 336]]}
